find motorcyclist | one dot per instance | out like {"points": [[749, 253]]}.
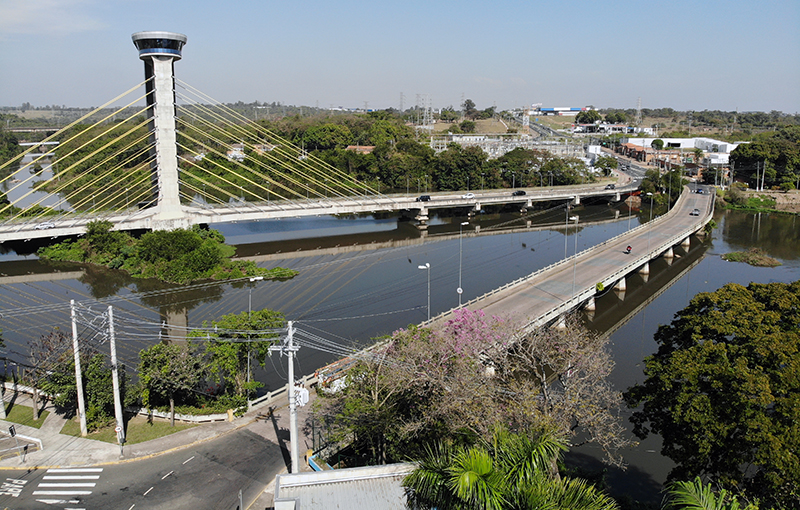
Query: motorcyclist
{"points": [[628, 249]]}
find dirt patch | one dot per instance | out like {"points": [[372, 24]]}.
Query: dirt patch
{"points": [[789, 201]]}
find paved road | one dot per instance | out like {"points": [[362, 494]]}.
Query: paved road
{"points": [[198, 468]]}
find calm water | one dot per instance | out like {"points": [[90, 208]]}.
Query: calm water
{"points": [[347, 298]]}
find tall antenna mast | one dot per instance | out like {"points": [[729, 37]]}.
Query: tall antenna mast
{"points": [[638, 120]]}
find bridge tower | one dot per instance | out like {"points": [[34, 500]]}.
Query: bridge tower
{"points": [[159, 51]]}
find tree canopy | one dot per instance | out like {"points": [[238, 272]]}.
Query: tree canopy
{"points": [[723, 391], [459, 381]]}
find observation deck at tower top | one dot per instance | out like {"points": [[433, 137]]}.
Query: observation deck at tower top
{"points": [[159, 44]]}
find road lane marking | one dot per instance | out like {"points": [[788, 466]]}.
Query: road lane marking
{"points": [[71, 477], [148, 491], [187, 460], [75, 470], [167, 474], [61, 493], [67, 484], [133, 505]]}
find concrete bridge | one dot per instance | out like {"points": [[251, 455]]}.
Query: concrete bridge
{"points": [[546, 295], [148, 219]]}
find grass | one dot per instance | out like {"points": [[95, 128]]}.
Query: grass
{"points": [[24, 416], [138, 430], [754, 257]]}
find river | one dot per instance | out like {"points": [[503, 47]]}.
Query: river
{"points": [[359, 279]]}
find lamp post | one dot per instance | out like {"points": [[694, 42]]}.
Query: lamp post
{"points": [[459, 290], [566, 229], [427, 267], [253, 279], [575, 257], [650, 229]]}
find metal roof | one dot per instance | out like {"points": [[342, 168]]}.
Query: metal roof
{"points": [[367, 488]]}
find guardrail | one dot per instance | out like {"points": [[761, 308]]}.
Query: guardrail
{"points": [[273, 396]]}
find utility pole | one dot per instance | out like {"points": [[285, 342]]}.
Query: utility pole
{"points": [[120, 428], [78, 376], [290, 349]]}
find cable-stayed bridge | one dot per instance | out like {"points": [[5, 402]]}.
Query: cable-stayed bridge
{"points": [[168, 156]]}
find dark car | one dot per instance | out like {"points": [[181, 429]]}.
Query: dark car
{"points": [[700, 191], [611, 186], [424, 198], [518, 193]]}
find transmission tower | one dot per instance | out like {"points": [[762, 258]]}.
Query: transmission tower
{"points": [[427, 119], [402, 99], [638, 120]]}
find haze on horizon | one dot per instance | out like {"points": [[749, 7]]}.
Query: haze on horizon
{"points": [[712, 55]]}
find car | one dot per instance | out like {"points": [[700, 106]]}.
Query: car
{"points": [[518, 193], [611, 186], [695, 212], [468, 195], [700, 191], [424, 198], [45, 225]]}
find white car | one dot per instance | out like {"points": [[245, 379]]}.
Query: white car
{"points": [[45, 225], [468, 195]]}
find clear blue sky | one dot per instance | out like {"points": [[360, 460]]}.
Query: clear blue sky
{"points": [[688, 55]]}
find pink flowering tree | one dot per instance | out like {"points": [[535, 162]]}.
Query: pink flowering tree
{"points": [[461, 380]]}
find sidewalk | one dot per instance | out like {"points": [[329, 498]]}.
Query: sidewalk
{"points": [[67, 451]]}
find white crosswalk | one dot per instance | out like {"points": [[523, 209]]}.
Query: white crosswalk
{"points": [[60, 483]]}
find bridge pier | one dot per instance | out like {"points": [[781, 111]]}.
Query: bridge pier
{"points": [[422, 216], [669, 253], [686, 242], [645, 269], [621, 285], [591, 305], [576, 200]]}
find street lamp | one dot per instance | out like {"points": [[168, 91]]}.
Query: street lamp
{"points": [[428, 267], [459, 290], [253, 279], [566, 229], [650, 229], [575, 257]]}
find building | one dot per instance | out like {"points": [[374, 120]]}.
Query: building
{"points": [[361, 488]]}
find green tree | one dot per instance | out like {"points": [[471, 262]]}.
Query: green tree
{"points": [[696, 495], [167, 371], [723, 391], [588, 117], [237, 340], [97, 388], [512, 471], [327, 136], [606, 164], [469, 109], [467, 126], [657, 144]]}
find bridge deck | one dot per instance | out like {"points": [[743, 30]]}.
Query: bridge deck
{"points": [[548, 293]]}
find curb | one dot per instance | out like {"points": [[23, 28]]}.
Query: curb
{"points": [[133, 459]]}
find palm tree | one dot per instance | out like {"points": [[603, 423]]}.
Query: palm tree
{"points": [[696, 495], [514, 471]]}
